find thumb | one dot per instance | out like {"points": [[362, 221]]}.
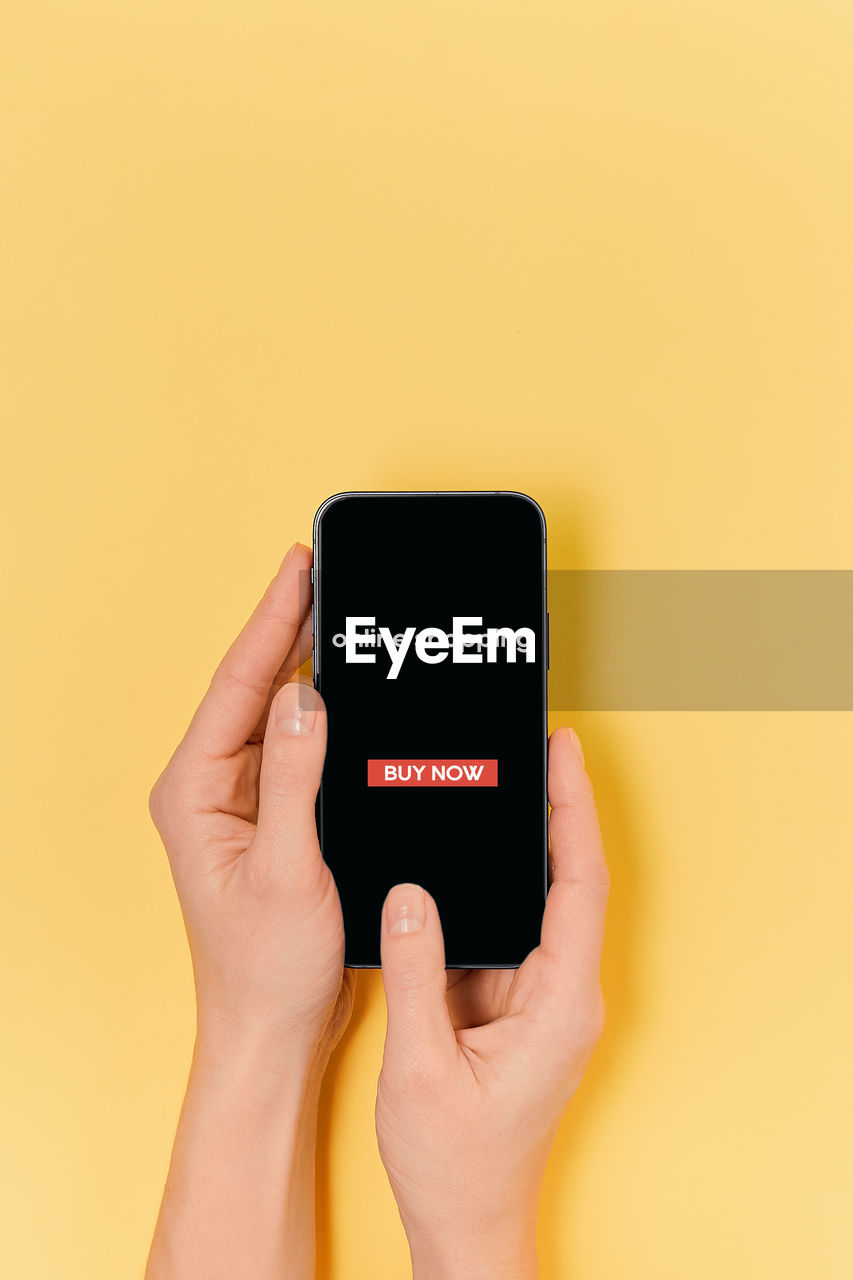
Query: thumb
{"points": [[420, 1033], [291, 765]]}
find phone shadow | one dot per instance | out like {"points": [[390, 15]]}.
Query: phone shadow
{"points": [[606, 755], [607, 751]]}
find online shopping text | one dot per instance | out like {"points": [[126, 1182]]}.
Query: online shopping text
{"points": [[432, 644]]}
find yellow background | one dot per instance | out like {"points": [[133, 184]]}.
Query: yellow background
{"points": [[255, 253]]}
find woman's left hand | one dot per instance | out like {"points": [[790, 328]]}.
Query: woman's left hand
{"points": [[235, 809]]}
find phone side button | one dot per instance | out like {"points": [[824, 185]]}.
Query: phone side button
{"points": [[547, 642]]}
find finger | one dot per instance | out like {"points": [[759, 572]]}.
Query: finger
{"points": [[291, 765], [419, 1035], [573, 925], [238, 693], [298, 656]]}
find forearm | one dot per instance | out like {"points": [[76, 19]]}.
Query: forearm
{"points": [[239, 1198]]}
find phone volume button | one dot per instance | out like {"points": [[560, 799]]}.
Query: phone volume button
{"points": [[547, 642]]}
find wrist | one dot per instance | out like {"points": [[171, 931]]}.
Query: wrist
{"points": [[265, 1098], [476, 1255], [265, 1054], [445, 1265]]}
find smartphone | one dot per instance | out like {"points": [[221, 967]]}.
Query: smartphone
{"points": [[431, 653]]}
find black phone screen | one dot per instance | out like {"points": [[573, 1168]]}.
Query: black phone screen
{"points": [[430, 650]]}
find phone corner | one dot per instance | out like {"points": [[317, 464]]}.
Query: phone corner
{"points": [[529, 501], [331, 501]]}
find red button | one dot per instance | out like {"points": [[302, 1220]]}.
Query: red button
{"points": [[432, 773]]}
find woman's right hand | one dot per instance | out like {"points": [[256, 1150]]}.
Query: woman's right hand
{"points": [[479, 1065]]}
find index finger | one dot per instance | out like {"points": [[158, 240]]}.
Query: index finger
{"points": [[238, 693], [573, 924]]}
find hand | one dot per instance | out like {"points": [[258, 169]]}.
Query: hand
{"points": [[479, 1065], [235, 808]]}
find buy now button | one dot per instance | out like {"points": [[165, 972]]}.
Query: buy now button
{"points": [[432, 773]]}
